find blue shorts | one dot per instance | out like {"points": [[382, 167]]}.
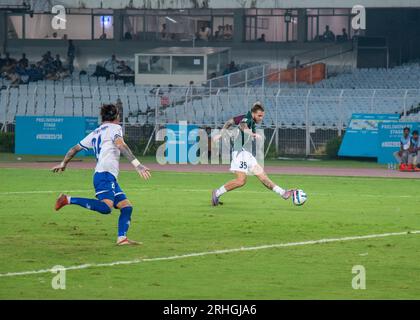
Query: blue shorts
{"points": [[107, 187]]}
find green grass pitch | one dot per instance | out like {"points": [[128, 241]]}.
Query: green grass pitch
{"points": [[172, 216]]}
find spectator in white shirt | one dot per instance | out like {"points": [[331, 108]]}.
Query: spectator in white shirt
{"points": [[112, 64]]}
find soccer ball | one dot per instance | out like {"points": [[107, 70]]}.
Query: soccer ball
{"points": [[299, 197]]}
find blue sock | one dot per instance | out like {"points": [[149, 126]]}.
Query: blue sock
{"points": [[91, 204], [124, 221]]}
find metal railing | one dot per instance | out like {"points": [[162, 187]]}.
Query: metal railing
{"points": [[314, 115], [241, 78], [326, 52], [258, 75]]}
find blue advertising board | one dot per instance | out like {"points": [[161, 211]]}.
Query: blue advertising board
{"points": [[180, 142], [51, 135], [389, 137], [361, 137]]}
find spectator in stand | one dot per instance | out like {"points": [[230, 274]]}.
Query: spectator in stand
{"points": [[71, 54], [344, 36], [218, 34], [228, 34], [128, 36], [14, 79], [203, 34], [291, 64], [46, 65], [155, 89], [11, 70], [57, 64], [111, 64], [8, 66], [34, 73], [193, 90], [20, 68], [227, 70], [64, 73], [163, 32], [47, 58], [22, 72], [2, 62], [24, 61], [51, 75], [230, 68], [100, 71], [46, 68], [328, 34], [233, 67], [207, 30], [8, 59], [124, 69], [262, 38]]}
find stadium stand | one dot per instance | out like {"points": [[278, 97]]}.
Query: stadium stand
{"points": [[330, 102], [403, 77]]}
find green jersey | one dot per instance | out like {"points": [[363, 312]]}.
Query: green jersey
{"points": [[245, 138]]}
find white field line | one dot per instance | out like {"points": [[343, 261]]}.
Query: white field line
{"points": [[207, 253], [159, 188]]}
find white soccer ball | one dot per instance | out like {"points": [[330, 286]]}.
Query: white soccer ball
{"points": [[299, 197]]}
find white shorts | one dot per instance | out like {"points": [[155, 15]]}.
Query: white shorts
{"points": [[243, 161]]}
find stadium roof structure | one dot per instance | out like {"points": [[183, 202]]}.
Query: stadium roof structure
{"points": [[45, 5]]}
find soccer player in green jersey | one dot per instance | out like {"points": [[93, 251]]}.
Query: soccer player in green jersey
{"points": [[243, 162]]}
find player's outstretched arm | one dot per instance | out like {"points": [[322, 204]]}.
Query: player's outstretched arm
{"points": [[69, 155], [226, 126], [143, 171]]}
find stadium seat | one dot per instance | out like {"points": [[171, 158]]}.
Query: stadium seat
{"points": [[365, 90]]}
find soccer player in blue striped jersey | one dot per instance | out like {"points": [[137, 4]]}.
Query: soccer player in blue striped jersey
{"points": [[107, 143]]}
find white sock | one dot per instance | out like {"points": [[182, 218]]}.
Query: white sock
{"points": [[279, 190], [68, 199], [220, 191]]}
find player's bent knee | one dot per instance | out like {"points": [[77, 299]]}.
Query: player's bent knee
{"points": [[123, 204], [258, 170], [109, 204]]}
